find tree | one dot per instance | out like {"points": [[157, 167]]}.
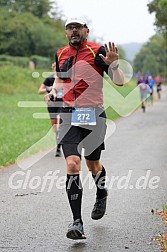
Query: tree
{"points": [[122, 54], [152, 57], [150, 64], [24, 34], [159, 7], [39, 8]]}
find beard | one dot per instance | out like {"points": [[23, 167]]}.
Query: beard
{"points": [[75, 39]]}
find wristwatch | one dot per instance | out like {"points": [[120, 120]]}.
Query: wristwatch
{"points": [[115, 68]]}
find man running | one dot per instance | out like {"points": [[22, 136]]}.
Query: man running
{"points": [[81, 65]]}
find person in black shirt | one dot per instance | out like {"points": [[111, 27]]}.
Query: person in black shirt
{"points": [[54, 112]]}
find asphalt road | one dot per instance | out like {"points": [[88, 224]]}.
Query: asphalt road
{"points": [[34, 215]]}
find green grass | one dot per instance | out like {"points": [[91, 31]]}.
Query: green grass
{"points": [[165, 207], [16, 80], [18, 129]]}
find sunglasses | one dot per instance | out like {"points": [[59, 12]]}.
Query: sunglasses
{"points": [[75, 26]]}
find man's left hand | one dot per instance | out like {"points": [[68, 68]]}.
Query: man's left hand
{"points": [[111, 54]]}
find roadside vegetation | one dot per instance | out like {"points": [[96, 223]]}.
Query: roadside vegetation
{"points": [[162, 238], [18, 129]]}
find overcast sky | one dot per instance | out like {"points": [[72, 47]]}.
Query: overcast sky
{"points": [[121, 21]]}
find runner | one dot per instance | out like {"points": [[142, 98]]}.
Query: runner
{"points": [[54, 112], [81, 65], [151, 84]]}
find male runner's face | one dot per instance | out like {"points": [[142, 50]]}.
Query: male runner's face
{"points": [[76, 33]]}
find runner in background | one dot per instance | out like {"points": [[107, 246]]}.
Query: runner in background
{"points": [[144, 91], [151, 84], [158, 80], [54, 112]]}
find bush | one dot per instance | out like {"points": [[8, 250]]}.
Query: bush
{"points": [[16, 60], [41, 62], [6, 63]]}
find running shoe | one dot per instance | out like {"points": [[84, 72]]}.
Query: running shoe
{"points": [[76, 231], [99, 208]]}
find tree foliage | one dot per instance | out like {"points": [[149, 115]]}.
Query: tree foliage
{"points": [[158, 43], [26, 28], [122, 54], [159, 7], [39, 8], [32, 27], [152, 57]]}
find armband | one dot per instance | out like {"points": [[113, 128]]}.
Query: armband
{"points": [[47, 90]]}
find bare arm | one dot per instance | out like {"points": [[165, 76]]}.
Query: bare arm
{"points": [[43, 89]]}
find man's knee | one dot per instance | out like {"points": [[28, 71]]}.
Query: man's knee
{"points": [[73, 164], [94, 166]]}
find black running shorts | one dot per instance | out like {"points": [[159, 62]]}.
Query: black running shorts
{"points": [[74, 138], [54, 108]]}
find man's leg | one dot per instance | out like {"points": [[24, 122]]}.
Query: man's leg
{"points": [[74, 191], [73, 185], [99, 175]]}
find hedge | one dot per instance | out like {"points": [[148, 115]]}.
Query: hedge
{"points": [[39, 61]]}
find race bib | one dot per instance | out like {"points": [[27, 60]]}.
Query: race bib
{"points": [[83, 116]]}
